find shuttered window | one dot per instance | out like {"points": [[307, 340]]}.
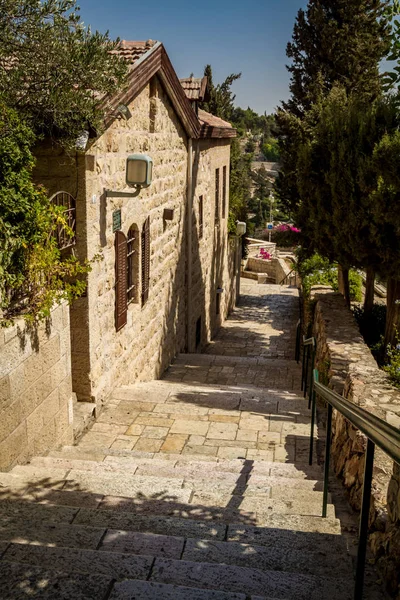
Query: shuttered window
{"points": [[145, 260], [133, 264], [121, 264], [216, 195], [224, 192], [200, 217]]}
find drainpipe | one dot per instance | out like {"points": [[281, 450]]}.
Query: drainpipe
{"points": [[189, 246]]}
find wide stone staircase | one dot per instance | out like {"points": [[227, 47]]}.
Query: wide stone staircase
{"points": [[195, 487]]}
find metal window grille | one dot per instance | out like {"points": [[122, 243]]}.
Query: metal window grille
{"points": [[131, 270], [66, 238], [224, 192], [200, 217], [145, 260], [216, 195]]}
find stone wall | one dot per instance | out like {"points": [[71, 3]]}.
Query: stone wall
{"points": [[155, 331], [348, 367], [276, 268], [35, 388], [213, 253]]}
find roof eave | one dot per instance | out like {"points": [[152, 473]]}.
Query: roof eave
{"points": [[208, 131], [153, 62]]}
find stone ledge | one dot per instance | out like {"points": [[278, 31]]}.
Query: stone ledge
{"points": [[346, 363]]}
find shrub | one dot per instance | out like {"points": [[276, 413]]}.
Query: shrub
{"points": [[286, 236], [33, 274], [317, 270]]}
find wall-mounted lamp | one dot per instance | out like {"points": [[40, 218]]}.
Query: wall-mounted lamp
{"points": [[139, 173], [82, 140], [124, 111], [139, 170], [240, 227]]}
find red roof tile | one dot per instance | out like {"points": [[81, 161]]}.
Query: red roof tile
{"points": [[206, 118], [132, 51], [195, 87]]}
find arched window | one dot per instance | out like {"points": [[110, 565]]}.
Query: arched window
{"points": [[66, 239], [132, 253]]}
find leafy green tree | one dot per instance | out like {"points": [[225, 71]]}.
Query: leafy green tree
{"points": [[221, 96], [334, 41], [54, 69], [33, 274], [270, 150]]}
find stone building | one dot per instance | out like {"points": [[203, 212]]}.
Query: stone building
{"points": [[163, 267]]}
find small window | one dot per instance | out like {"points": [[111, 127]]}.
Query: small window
{"points": [[145, 260], [218, 304], [66, 239], [224, 192], [133, 264], [198, 332], [216, 195], [200, 217]]}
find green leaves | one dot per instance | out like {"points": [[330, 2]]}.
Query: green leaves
{"points": [[53, 69], [33, 274]]}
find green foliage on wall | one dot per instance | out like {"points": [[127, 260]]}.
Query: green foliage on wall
{"points": [[33, 274]]}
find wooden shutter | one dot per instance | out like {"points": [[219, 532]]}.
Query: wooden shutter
{"points": [[121, 266], [200, 217], [145, 260], [224, 192], [216, 195]]}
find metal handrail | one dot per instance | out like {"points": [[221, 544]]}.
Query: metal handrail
{"points": [[288, 275], [309, 346], [298, 342], [379, 433]]}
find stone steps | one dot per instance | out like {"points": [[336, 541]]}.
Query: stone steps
{"points": [[243, 481], [20, 580], [200, 464], [126, 554]]}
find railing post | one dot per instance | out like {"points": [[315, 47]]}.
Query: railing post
{"points": [[313, 411], [303, 365], [306, 371], [364, 518], [327, 460], [311, 375]]}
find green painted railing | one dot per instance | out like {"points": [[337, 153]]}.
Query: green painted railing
{"points": [[378, 432]]}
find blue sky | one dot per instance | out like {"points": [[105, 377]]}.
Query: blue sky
{"points": [[233, 36]]}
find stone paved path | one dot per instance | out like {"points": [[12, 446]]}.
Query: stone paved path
{"points": [[195, 487]]}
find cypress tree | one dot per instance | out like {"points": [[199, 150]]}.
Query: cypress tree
{"points": [[334, 41]]}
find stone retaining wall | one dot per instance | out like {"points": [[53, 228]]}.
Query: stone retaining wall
{"points": [[348, 367], [276, 268], [35, 388]]}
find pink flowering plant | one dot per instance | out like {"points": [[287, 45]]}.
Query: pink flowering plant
{"points": [[286, 236]]}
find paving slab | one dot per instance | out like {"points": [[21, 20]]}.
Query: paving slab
{"points": [[75, 560], [162, 524], [283, 553], [147, 590], [19, 582], [58, 534], [250, 581]]}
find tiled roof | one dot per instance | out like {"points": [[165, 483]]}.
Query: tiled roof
{"points": [[195, 87], [131, 51], [206, 118]]}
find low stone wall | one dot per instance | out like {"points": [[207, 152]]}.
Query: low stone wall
{"points": [[282, 269], [259, 265], [35, 388], [276, 268], [348, 367]]}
